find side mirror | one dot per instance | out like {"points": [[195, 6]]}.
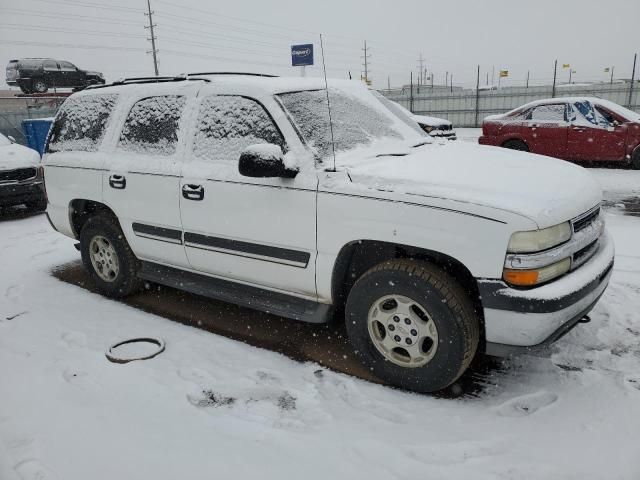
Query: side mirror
{"points": [[11, 139], [263, 161]]}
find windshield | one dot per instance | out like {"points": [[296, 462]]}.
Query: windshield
{"points": [[4, 141], [625, 113], [357, 120]]}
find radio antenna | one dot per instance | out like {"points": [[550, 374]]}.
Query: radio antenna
{"points": [[326, 85]]}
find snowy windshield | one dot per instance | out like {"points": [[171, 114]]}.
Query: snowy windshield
{"points": [[4, 141], [356, 122]]}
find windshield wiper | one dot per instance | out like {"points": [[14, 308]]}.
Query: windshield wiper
{"points": [[421, 144]]}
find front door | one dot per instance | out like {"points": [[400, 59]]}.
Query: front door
{"points": [[594, 135], [142, 179], [71, 77], [260, 231], [545, 130]]}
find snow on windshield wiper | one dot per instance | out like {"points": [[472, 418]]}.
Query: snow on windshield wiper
{"points": [[402, 154], [420, 144]]}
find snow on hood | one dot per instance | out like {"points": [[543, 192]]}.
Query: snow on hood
{"points": [[546, 190], [16, 156]]}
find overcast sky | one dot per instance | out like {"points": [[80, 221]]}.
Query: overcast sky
{"points": [[453, 36]]}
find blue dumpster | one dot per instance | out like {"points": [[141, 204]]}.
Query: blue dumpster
{"points": [[36, 131]]}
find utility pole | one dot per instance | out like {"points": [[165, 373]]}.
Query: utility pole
{"points": [[555, 72], [154, 52], [527, 79], [421, 69], [411, 97], [477, 96], [451, 82], [633, 79], [612, 69], [493, 75], [446, 79], [388, 83], [366, 63], [570, 72]]}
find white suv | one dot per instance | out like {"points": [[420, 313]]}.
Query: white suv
{"points": [[237, 187]]}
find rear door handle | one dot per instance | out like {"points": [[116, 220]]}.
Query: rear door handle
{"points": [[117, 181], [193, 192]]}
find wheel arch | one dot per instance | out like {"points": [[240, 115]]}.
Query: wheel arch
{"points": [[513, 138], [80, 210], [358, 256]]}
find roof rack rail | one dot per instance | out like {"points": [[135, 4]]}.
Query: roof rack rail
{"points": [[142, 80], [266, 75]]}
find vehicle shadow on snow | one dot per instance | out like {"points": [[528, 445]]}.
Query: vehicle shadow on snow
{"points": [[325, 344]]}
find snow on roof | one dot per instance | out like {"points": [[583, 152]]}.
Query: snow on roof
{"points": [[614, 107]]}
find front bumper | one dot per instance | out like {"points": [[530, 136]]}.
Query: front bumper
{"points": [[21, 192], [518, 321]]}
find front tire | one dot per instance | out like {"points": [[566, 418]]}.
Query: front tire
{"points": [[635, 159], [108, 258], [412, 324], [37, 206]]}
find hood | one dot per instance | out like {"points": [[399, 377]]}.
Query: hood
{"points": [[16, 156], [543, 189], [95, 74]]}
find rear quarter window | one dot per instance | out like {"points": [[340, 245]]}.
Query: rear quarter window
{"points": [[81, 123], [152, 125]]}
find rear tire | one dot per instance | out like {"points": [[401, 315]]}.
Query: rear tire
{"points": [[516, 145], [108, 258], [412, 324], [39, 86]]}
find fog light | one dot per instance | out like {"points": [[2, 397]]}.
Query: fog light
{"points": [[528, 278]]}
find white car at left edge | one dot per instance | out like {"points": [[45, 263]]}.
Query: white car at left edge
{"points": [[21, 178]]}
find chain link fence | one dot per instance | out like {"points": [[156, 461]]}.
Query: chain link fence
{"points": [[468, 107]]}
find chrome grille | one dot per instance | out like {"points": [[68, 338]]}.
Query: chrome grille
{"points": [[586, 219], [17, 175]]}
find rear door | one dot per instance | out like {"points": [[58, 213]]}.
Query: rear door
{"points": [[593, 135], [261, 231], [142, 179], [546, 129]]}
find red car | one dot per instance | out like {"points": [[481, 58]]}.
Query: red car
{"points": [[576, 129]]}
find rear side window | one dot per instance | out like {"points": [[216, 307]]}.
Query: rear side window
{"points": [[81, 123], [228, 124], [549, 113], [152, 125]]}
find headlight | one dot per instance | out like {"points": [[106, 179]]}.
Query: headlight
{"points": [[428, 128], [539, 240]]}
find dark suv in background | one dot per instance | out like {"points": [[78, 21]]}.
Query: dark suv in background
{"points": [[40, 74]]}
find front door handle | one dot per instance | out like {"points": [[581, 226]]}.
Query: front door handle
{"points": [[117, 181], [193, 192]]}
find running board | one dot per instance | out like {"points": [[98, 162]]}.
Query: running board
{"points": [[247, 296]]}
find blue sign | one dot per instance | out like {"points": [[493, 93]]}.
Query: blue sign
{"points": [[302, 55]]}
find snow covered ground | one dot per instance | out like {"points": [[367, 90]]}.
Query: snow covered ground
{"points": [[211, 407]]}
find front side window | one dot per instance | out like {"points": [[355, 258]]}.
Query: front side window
{"points": [[67, 66], [81, 123], [226, 125], [152, 125], [585, 114], [549, 113], [355, 123]]}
